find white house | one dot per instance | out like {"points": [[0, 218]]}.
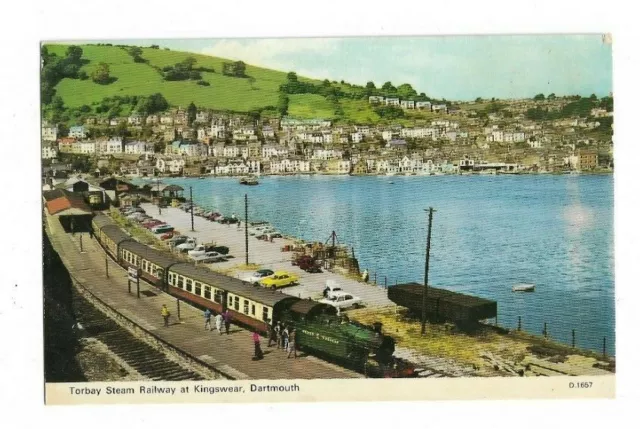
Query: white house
{"points": [[202, 117], [271, 151], [135, 119], [86, 147], [138, 148], [112, 145], [408, 104], [439, 108], [267, 132], [326, 154], [357, 137], [392, 101], [170, 165], [376, 99], [152, 119], [423, 105], [49, 151], [166, 119], [231, 151], [78, 132], [49, 132], [534, 143], [327, 137]]}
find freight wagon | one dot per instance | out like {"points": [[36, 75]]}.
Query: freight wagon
{"points": [[442, 304]]}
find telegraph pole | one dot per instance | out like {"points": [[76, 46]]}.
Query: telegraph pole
{"points": [[246, 229], [191, 200], [159, 208], [426, 273]]}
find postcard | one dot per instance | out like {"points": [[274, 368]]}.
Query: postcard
{"points": [[407, 218]]}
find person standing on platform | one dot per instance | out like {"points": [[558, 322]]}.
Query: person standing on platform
{"points": [[165, 314], [227, 321], [272, 335], [278, 329], [219, 323], [257, 351], [207, 319], [292, 344], [285, 338]]}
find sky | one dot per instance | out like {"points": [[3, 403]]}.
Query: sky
{"points": [[451, 67]]}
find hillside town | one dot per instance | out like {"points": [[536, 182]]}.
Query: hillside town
{"points": [[431, 139]]}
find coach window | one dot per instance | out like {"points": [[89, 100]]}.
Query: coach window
{"points": [[188, 285], [207, 292], [265, 314], [217, 296], [198, 288], [171, 278], [253, 309], [230, 301], [180, 282], [236, 303], [245, 306]]}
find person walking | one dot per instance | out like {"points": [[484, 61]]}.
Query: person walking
{"points": [[219, 323], [257, 351], [285, 338], [227, 321], [165, 314], [292, 344], [207, 319], [278, 329], [272, 335]]}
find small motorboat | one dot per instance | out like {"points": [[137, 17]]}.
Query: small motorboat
{"points": [[249, 181], [524, 287], [390, 182]]}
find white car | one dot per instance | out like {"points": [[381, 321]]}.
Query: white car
{"points": [[258, 275], [258, 230], [342, 300], [209, 257], [199, 250], [331, 288], [190, 244]]}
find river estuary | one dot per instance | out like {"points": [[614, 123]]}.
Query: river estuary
{"points": [[489, 233]]}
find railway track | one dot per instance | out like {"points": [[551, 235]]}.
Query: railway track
{"points": [[146, 360]]}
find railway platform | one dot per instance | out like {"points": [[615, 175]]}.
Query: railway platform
{"points": [[231, 354]]}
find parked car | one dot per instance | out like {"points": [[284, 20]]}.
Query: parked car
{"points": [[167, 235], [330, 289], [342, 300], [257, 276], [279, 279], [227, 220], [177, 239], [161, 229], [199, 250], [187, 245], [208, 257], [307, 263]]}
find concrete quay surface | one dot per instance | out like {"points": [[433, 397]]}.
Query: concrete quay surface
{"points": [[231, 354], [265, 254]]}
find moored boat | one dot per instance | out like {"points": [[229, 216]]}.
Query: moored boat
{"points": [[524, 287], [249, 181]]}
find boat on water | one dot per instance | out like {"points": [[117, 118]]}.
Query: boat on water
{"points": [[524, 287], [251, 181]]}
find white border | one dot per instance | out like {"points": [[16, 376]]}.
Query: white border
{"points": [[26, 23]]}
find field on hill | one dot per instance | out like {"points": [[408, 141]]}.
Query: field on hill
{"points": [[225, 93]]}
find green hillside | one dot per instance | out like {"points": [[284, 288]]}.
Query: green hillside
{"points": [[77, 93]]}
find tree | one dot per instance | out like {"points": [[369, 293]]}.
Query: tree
{"points": [[593, 97], [292, 77], [136, 53], [388, 87], [192, 110], [551, 96], [479, 100], [101, 74], [406, 90], [74, 53], [189, 62], [538, 97], [283, 104], [370, 85]]}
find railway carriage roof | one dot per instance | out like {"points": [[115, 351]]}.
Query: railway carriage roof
{"points": [[154, 256], [101, 220], [230, 284], [115, 234]]}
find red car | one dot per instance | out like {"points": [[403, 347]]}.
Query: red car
{"points": [[166, 236], [153, 223]]}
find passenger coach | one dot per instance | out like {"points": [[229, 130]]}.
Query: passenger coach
{"points": [[108, 234], [152, 264], [249, 306]]}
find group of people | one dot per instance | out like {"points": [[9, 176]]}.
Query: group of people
{"points": [[284, 337], [222, 319]]}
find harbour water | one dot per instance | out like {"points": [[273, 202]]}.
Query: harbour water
{"points": [[489, 233]]}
